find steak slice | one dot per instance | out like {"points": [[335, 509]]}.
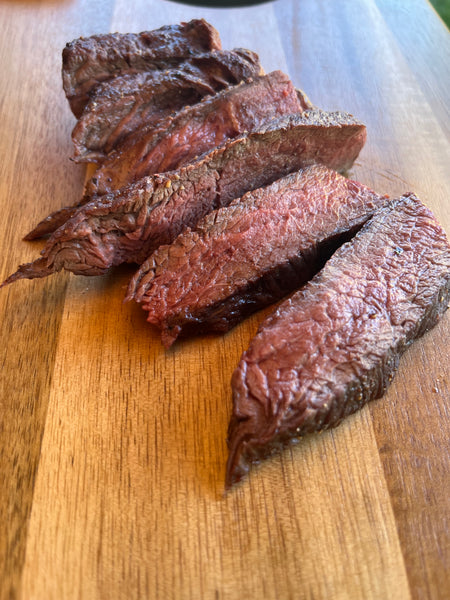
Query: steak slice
{"points": [[139, 100], [128, 225], [182, 137], [89, 61], [336, 343], [251, 253], [195, 130]]}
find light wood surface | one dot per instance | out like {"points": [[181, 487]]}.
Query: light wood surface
{"points": [[112, 450]]}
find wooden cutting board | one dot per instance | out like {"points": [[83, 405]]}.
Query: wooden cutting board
{"points": [[112, 450]]}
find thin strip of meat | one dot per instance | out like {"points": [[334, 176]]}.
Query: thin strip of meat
{"points": [[251, 253], [89, 61], [128, 225], [189, 133], [336, 344], [140, 100]]}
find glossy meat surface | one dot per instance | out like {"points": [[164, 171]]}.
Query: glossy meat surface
{"points": [[89, 61], [128, 225], [252, 253], [182, 137], [196, 129], [335, 344], [312, 136], [138, 101]]}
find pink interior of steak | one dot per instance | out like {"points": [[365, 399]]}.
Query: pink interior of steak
{"points": [[252, 252], [335, 344], [138, 101], [195, 130]]}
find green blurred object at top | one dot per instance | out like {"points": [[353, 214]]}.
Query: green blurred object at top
{"points": [[442, 7]]}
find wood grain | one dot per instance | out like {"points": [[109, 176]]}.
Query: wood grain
{"points": [[112, 450], [34, 177], [415, 465]]}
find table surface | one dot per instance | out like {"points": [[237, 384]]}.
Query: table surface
{"points": [[112, 450]]}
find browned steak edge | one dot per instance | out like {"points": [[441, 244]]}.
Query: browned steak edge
{"points": [[269, 413]]}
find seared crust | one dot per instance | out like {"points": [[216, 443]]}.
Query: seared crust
{"points": [[196, 129], [335, 344], [251, 253], [128, 225], [313, 136], [89, 61], [139, 101]]}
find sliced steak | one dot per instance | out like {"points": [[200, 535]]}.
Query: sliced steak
{"points": [[140, 100], [184, 136], [128, 225], [335, 344], [195, 130], [89, 61], [251, 253]]}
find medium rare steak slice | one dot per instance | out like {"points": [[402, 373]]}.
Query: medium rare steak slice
{"points": [[140, 100], [184, 136], [195, 130], [128, 225], [335, 344], [334, 139], [89, 61], [251, 253]]}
